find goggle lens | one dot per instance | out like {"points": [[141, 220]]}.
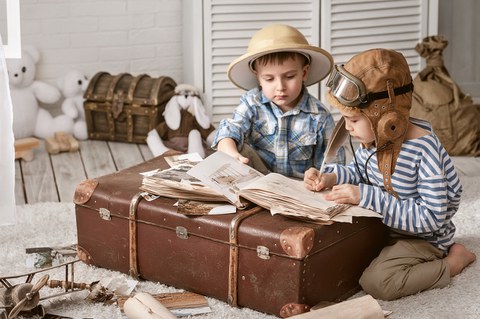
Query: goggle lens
{"points": [[344, 87], [345, 90], [350, 91]]}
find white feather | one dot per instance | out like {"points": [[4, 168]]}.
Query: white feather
{"points": [[338, 137]]}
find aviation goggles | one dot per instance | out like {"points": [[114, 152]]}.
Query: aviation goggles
{"points": [[351, 91]]}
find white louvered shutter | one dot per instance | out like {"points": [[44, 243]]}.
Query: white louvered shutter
{"points": [[347, 27], [228, 27], [350, 27]]}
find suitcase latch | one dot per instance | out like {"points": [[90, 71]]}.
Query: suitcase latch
{"points": [[263, 252], [182, 232], [104, 214]]}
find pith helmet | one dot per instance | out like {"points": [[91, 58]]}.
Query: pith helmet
{"points": [[278, 38]]}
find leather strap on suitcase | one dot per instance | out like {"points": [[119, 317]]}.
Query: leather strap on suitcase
{"points": [[233, 240], [233, 264], [132, 226]]}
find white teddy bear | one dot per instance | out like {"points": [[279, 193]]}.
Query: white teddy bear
{"points": [[73, 85], [29, 119]]}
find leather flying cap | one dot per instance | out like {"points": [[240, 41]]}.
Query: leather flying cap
{"points": [[383, 70]]}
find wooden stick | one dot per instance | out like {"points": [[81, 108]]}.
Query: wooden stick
{"points": [[27, 143], [24, 148]]}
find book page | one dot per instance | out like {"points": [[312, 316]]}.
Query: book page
{"points": [[176, 183], [276, 192], [288, 188], [225, 175], [288, 196], [190, 158]]}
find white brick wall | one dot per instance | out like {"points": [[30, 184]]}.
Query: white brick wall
{"points": [[135, 36]]}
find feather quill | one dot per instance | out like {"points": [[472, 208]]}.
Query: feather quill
{"points": [[338, 137]]}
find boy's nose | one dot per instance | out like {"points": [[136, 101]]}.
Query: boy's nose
{"points": [[348, 127]]}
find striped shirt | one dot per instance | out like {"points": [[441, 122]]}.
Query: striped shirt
{"points": [[426, 182], [289, 143]]}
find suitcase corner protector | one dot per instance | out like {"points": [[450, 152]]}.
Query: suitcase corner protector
{"points": [[297, 241], [292, 309], [84, 191], [84, 256]]}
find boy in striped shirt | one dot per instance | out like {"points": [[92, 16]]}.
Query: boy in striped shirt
{"points": [[400, 171]]}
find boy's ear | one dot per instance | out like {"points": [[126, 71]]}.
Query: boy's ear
{"points": [[306, 69], [255, 73]]}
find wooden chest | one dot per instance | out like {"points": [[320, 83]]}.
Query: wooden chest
{"points": [[124, 107], [252, 259]]}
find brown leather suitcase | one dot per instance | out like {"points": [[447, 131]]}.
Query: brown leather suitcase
{"points": [[272, 264]]}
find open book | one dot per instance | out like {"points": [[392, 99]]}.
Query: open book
{"points": [[175, 182], [276, 192]]}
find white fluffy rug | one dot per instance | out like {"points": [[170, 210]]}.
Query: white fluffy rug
{"points": [[53, 224]]}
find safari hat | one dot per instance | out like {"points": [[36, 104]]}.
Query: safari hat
{"points": [[377, 83], [278, 38]]}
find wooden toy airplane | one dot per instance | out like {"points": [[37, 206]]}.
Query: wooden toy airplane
{"points": [[24, 298]]}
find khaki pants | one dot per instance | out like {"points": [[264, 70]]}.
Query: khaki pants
{"points": [[406, 267]]}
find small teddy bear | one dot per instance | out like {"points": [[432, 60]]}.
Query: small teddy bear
{"points": [[186, 127], [73, 85], [29, 119]]}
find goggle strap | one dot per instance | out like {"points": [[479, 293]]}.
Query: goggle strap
{"points": [[384, 94]]}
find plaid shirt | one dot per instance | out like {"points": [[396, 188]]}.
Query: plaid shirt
{"points": [[289, 143]]}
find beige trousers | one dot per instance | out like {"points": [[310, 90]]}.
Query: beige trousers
{"points": [[406, 267]]}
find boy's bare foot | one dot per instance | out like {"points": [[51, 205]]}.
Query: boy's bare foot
{"points": [[458, 258]]}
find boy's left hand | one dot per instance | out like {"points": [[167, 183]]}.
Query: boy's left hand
{"points": [[344, 194]]}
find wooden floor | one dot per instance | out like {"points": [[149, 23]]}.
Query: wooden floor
{"points": [[53, 178]]}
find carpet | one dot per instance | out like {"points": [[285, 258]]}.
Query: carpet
{"points": [[53, 224]]}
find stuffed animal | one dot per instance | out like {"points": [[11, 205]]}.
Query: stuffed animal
{"points": [[29, 119], [73, 85], [186, 127]]}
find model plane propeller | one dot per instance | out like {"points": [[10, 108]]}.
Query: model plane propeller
{"points": [[25, 297]]}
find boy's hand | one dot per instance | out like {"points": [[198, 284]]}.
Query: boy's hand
{"points": [[229, 147], [344, 194], [242, 158], [235, 154], [314, 181]]}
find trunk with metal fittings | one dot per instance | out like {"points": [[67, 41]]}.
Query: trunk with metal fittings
{"points": [[272, 264], [124, 107]]}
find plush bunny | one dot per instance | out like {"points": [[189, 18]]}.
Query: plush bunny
{"points": [[29, 119], [186, 127], [73, 85]]}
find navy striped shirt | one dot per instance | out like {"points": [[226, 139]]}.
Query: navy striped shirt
{"points": [[426, 182]]}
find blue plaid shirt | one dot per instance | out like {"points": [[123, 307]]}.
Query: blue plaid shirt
{"points": [[289, 143]]}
